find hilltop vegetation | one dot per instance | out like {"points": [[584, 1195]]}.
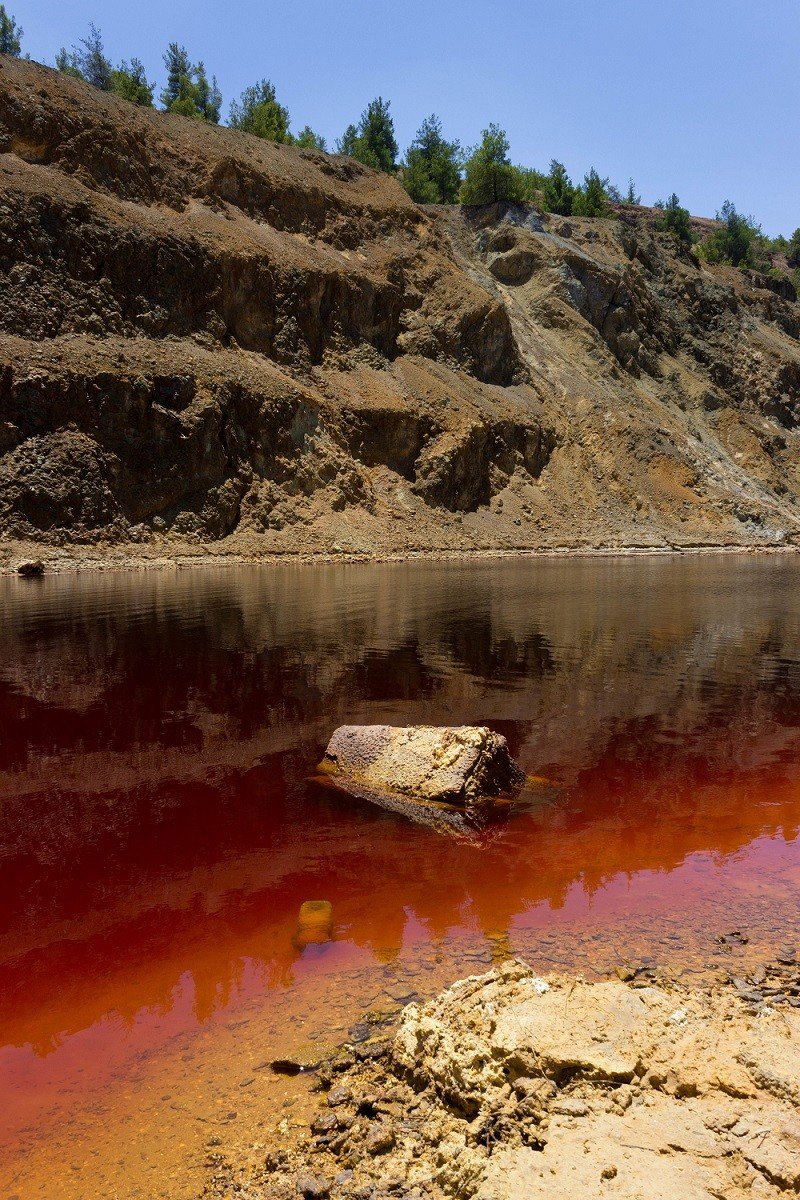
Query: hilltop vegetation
{"points": [[433, 170]]}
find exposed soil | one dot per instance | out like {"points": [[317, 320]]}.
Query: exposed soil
{"points": [[509, 1085], [213, 345]]}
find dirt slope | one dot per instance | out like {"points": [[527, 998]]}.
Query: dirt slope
{"points": [[212, 343]]}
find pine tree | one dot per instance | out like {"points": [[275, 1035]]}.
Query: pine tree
{"points": [[348, 142], [10, 34], [432, 170], [376, 133], [93, 64], [209, 100], [373, 142], [87, 61], [258, 112], [488, 173], [631, 197], [591, 200], [187, 90], [179, 71], [558, 193]]}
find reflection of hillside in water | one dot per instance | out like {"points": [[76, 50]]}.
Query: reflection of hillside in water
{"points": [[156, 733]]}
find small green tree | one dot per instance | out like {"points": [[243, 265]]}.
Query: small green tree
{"points": [[558, 193], [532, 184], [675, 219], [95, 67], [793, 249], [432, 170], [734, 241], [258, 112], [129, 81], [488, 173], [209, 97], [348, 142], [10, 34], [179, 70], [591, 200], [187, 90], [306, 139], [631, 197], [87, 61], [67, 63], [373, 141]]}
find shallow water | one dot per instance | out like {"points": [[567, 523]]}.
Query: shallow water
{"points": [[159, 830]]}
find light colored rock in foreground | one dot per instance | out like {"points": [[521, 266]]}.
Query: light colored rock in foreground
{"points": [[509, 1086], [460, 766], [619, 1092]]}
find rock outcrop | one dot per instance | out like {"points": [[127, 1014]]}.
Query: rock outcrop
{"points": [[509, 1086], [211, 343]]}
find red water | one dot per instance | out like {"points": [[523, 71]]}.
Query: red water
{"points": [[158, 832]]}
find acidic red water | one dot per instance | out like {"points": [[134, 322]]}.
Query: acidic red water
{"points": [[159, 832]]}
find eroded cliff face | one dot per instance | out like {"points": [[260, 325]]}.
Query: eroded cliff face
{"points": [[211, 342]]}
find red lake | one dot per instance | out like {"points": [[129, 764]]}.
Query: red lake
{"points": [[160, 829]]}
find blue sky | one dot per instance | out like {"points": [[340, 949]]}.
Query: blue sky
{"points": [[700, 98]]}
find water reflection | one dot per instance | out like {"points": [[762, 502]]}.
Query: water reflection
{"points": [[158, 832]]}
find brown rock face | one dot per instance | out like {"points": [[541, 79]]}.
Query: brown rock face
{"points": [[206, 338]]}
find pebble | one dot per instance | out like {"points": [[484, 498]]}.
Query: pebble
{"points": [[314, 1187], [339, 1095], [380, 1139]]}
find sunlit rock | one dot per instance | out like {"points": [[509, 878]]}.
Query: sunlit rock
{"points": [[423, 771], [461, 765]]}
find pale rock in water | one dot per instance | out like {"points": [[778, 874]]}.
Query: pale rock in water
{"points": [[462, 766]]}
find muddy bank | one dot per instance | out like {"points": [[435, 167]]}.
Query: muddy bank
{"points": [[512, 1085]]}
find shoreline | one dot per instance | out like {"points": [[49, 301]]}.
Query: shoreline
{"points": [[58, 561], [510, 1085]]}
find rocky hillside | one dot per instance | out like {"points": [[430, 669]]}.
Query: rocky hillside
{"points": [[212, 343]]}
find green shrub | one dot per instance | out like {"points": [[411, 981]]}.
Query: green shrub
{"points": [[675, 219], [734, 242], [793, 249], [129, 81], [306, 139], [258, 112]]}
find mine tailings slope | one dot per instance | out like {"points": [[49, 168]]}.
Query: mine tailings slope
{"points": [[209, 342]]}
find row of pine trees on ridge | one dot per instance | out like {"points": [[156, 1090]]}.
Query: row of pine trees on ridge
{"points": [[433, 170]]}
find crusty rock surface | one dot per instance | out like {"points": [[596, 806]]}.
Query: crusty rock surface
{"points": [[509, 1086], [463, 765], [213, 344]]}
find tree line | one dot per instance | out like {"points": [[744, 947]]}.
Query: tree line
{"points": [[433, 170]]}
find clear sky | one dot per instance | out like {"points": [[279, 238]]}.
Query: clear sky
{"points": [[700, 97]]}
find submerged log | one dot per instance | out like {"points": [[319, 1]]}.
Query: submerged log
{"points": [[441, 776]]}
